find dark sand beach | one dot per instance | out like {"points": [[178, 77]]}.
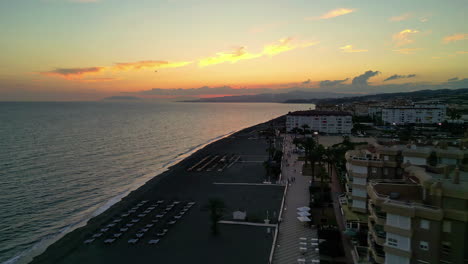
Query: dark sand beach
{"points": [[189, 240]]}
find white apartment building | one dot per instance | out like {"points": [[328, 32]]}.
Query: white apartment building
{"points": [[416, 113], [333, 122]]}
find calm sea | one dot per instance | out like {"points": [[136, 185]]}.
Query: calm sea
{"points": [[62, 163]]}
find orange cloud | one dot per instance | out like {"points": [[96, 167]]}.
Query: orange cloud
{"points": [[333, 13], [284, 45], [238, 54], [407, 50], [462, 52], [404, 37], [349, 49], [400, 18], [140, 65], [455, 37], [73, 73]]}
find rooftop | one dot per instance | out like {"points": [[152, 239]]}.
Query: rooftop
{"points": [[319, 113], [398, 190]]}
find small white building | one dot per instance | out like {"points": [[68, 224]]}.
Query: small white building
{"points": [[333, 122]]}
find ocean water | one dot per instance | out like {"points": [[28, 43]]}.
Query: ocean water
{"points": [[62, 163]]}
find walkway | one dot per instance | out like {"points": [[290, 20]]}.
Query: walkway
{"points": [[290, 229]]}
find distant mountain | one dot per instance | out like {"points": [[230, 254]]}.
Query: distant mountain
{"points": [[306, 97], [272, 98], [448, 95]]}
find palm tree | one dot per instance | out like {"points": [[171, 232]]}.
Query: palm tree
{"points": [[305, 128], [309, 145], [216, 207]]}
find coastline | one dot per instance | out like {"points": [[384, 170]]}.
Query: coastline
{"points": [[41, 246], [67, 242]]}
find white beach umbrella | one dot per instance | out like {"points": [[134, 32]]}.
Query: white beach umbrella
{"points": [[304, 219], [303, 208], [303, 213]]}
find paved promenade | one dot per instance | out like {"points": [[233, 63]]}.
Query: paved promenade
{"points": [[291, 230]]}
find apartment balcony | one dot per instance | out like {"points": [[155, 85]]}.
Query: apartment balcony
{"points": [[366, 162], [414, 209], [393, 164], [379, 216], [376, 252], [377, 232], [358, 175]]}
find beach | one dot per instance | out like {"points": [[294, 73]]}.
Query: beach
{"points": [[238, 184]]}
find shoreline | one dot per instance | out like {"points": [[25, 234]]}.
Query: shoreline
{"points": [[41, 246], [53, 249]]}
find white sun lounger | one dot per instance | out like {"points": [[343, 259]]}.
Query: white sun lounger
{"points": [[109, 241], [153, 241], [133, 241], [89, 241]]}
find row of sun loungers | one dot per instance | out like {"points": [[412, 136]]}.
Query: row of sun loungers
{"points": [[158, 218], [307, 245]]}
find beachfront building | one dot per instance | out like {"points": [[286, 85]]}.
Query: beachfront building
{"points": [[422, 218], [383, 162], [401, 185], [367, 164], [331, 122]]}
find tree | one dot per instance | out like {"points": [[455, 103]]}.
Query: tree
{"points": [[216, 208], [305, 128], [454, 114]]}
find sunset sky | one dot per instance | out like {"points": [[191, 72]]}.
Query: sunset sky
{"points": [[90, 49]]}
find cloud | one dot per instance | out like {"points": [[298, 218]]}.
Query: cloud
{"points": [[404, 37], [455, 37], [453, 79], [462, 52], [362, 79], [349, 49], [396, 76], [333, 13], [73, 73], [400, 17], [407, 50], [149, 64], [328, 83], [284, 45], [306, 82], [240, 53]]}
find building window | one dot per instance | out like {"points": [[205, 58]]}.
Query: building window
{"points": [[447, 226], [385, 157], [385, 171], [374, 170], [424, 224], [392, 242], [446, 248], [423, 245]]}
